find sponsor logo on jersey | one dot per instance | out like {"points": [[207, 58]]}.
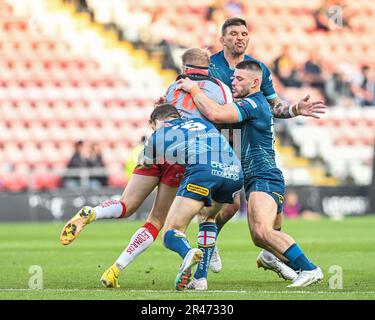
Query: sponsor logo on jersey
{"points": [[224, 174], [198, 189], [253, 104], [224, 170], [225, 166]]}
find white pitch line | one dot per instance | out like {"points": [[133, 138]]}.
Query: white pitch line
{"points": [[188, 291]]}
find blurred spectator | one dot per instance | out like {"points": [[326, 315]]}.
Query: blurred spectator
{"points": [[85, 157], [284, 68], [79, 157], [78, 160], [312, 72], [211, 11], [364, 88], [337, 89], [292, 208], [95, 161]]}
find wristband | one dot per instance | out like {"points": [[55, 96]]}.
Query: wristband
{"points": [[292, 114]]}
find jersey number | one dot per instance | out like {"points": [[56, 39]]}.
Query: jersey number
{"points": [[187, 102]]}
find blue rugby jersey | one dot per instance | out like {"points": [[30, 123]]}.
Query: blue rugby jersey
{"points": [[220, 69], [190, 142], [257, 138]]}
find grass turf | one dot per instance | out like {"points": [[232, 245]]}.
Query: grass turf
{"points": [[73, 272]]}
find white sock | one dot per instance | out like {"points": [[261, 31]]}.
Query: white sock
{"points": [[140, 241], [110, 209]]}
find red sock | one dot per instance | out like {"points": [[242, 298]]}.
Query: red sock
{"points": [[123, 209], [152, 229]]}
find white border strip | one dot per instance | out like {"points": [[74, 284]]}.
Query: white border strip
{"points": [[187, 291]]}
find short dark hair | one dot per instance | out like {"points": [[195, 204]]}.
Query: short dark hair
{"points": [[232, 22], [249, 65], [164, 111]]}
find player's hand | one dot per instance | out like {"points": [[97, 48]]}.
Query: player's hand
{"points": [[311, 109], [160, 100], [185, 84]]}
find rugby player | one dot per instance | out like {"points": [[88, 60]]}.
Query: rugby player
{"points": [[213, 176], [145, 178], [234, 40], [264, 182]]}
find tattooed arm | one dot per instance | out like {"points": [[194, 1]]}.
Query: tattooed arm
{"points": [[280, 108], [284, 110]]}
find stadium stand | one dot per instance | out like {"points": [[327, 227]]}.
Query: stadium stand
{"points": [[57, 87], [275, 26], [90, 70]]}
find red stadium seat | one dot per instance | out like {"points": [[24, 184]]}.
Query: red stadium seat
{"points": [[14, 182]]}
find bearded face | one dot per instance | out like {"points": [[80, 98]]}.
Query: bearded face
{"points": [[242, 83], [236, 40]]}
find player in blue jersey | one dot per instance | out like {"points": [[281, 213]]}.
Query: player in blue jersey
{"points": [[213, 176], [235, 39], [264, 183], [144, 179]]}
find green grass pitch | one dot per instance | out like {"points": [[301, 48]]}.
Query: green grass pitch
{"points": [[73, 272]]}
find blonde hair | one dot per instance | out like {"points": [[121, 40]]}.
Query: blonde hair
{"points": [[196, 57]]}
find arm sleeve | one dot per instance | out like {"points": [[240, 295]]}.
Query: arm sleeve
{"points": [[246, 109], [267, 84]]}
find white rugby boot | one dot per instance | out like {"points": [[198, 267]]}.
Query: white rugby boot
{"points": [[307, 277], [193, 257], [198, 284], [215, 262], [270, 262]]}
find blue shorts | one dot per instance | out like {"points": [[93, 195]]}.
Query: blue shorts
{"points": [[205, 183], [275, 188]]}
